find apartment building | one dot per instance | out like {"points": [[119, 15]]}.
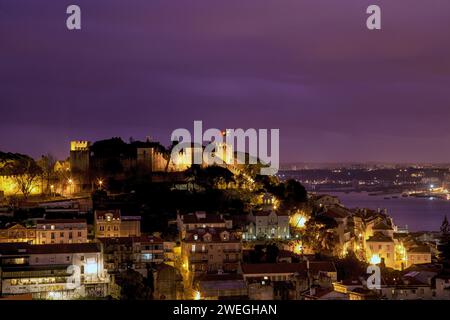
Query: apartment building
{"points": [[200, 219], [132, 252], [111, 224], [211, 250], [53, 271], [61, 231], [17, 233]]}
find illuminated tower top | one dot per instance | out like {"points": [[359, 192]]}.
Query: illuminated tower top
{"points": [[79, 145]]}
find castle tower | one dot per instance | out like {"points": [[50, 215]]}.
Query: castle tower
{"points": [[79, 156]]}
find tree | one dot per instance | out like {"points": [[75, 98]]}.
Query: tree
{"points": [[294, 194], [209, 177], [133, 286], [216, 176], [25, 172], [47, 164], [319, 237], [445, 227], [272, 253], [256, 254], [350, 267]]}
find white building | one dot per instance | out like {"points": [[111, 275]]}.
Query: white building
{"points": [[53, 271], [61, 231], [268, 224]]}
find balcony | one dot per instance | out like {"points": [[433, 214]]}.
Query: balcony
{"points": [[235, 250], [198, 260], [199, 251]]}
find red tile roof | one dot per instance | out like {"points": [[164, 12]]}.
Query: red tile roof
{"points": [[379, 237], [265, 213], [130, 240], [60, 221], [214, 232], [100, 214], [382, 226], [272, 268], [209, 218]]}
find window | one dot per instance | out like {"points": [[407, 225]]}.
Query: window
{"points": [[79, 233], [193, 248], [70, 235], [102, 228], [61, 234], [147, 256], [52, 235], [68, 258]]}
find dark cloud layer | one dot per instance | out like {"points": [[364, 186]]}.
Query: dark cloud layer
{"points": [[337, 91]]}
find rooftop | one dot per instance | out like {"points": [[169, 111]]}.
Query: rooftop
{"points": [[25, 248], [379, 237], [273, 268]]}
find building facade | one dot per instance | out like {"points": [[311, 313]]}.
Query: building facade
{"points": [[17, 233], [61, 231], [268, 224], [211, 250], [111, 224], [55, 271]]}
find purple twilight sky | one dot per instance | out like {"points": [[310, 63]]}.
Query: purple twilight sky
{"points": [[337, 91]]}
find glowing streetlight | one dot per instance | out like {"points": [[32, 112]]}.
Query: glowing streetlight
{"points": [[70, 181], [100, 183]]}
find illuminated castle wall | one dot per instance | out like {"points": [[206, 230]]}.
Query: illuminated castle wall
{"points": [[151, 159]]}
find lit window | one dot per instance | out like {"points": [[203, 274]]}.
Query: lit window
{"points": [[147, 256]]}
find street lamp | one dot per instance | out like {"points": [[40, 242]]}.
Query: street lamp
{"points": [[71, 185]]}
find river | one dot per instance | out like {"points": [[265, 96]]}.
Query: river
{"points": [[419, 214]]}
